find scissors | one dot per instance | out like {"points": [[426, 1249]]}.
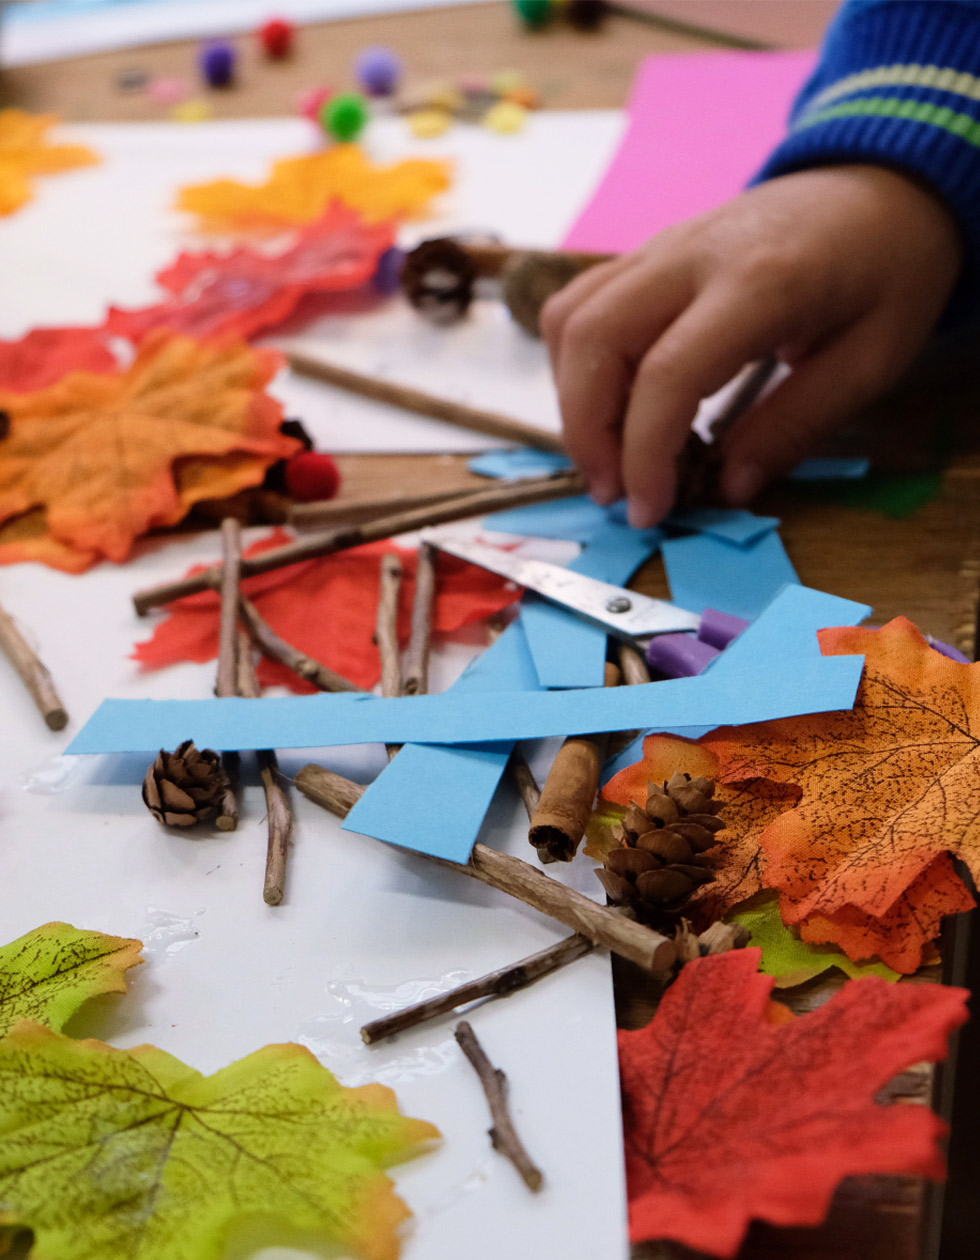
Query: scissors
{"points": [[675, 641]]}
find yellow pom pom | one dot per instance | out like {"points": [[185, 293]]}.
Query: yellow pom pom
{"points": [[505, 116], [444, 96], [192, 111], [426, 123], [505, 81]]}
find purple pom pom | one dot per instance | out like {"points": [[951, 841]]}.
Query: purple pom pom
{"points": [[378, 71], [388, 275], [217, 61]]}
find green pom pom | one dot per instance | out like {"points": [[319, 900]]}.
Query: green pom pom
{"points": [[344, 116], [533, 13]]}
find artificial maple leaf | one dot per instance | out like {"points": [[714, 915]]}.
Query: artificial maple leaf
{"points": [[49, 973], [25, 152], [888, 787], [245, 291], [300, 190], [45, 355], [730, 1116], [131, 1153], [110, 457], [327, 608], [27, 538], [737, 860]]}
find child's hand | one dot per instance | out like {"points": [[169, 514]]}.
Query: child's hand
{"points": [[841, 271]]}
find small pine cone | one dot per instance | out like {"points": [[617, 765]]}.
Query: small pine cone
{"points": [[185, 787], [438, 278], [664, 851]]}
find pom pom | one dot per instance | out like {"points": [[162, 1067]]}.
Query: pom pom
{"points": [[277, 38], [533, 13], [311, 102], [506, 117], [312, 475], [168, 91], [192, 111], [379, 71], [217, 61], [345, 116], [387, 278], [426, 123]]}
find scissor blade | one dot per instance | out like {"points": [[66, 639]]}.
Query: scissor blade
{"points": [[623, 613]]}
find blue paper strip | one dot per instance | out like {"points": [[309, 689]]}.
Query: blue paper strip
{"points": [[577, 519], [719, 697], [734, 525], [705, 572], [567, 651], [522, 462], [831, 469]]}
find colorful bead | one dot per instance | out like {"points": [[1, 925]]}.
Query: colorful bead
{"points": [[345, 116], [217, 61], [379, 71], [277, 38]]}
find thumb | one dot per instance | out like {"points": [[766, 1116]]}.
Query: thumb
{"points": [[819, 393]]}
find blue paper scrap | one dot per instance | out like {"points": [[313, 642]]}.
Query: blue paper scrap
{"points": [[733, 524], [522, 462], [720, 697], [705, 572], [831, 469], [393, 809], [577, 519], [567, 651]]}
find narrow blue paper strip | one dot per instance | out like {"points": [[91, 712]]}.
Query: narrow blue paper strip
{"points": [[350, 718], [831, 468], [705, 572], [522, 462], [577, 519]]}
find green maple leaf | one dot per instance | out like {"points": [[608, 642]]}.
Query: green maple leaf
{"points": [[49, 973], [132, 1155]]}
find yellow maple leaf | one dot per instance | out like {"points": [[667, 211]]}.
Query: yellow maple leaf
{"points": [[301, 189], [25, 152], [106, 458]]}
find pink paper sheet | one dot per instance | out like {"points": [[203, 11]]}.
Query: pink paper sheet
{"points": [[700, 126]]}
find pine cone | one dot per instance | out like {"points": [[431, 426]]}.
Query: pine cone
{"points": [[663, 854], [185, 787]]}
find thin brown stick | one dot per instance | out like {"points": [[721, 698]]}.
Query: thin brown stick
{"points": [[527, 784], [227, 682], [601, 924], [339, 511], [386, 625], [34, 673], [632, 663], [503, 1135], [496, 984], [279, 813], [568, 794], [270, 643], [515, 494], [415, 667], [416, 400]]}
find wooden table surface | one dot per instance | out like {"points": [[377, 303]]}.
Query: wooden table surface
{"points": [[926, 567]]}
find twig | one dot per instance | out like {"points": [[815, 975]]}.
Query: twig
{"points": [[602, 925], [424, 404], [227, 683], [503, 1135], [500, 983], [386, 625], [632, 663], [678, 26], [279, 812], [34, 672], [514, 494], [527, 784], [568, 794], [339, 511], [270, 643], [415, 667]]}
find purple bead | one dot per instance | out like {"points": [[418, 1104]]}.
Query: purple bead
{"points": [[217, 62], [679, 655], [719, 628], [388, 275], [378, 71]]}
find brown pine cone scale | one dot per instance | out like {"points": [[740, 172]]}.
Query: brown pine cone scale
{"points": [[185, 787]]}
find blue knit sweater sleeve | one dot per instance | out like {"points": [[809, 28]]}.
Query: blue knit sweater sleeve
{"points": [[898, 84]]}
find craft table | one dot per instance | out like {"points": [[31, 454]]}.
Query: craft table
{"points": [[925, 567]]}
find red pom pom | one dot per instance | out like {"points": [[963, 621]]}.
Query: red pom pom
{"points": [[312, 475], [277, 37]]}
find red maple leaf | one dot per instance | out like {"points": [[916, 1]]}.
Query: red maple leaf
{"points": [[45, 355], [730, 1115], [327, 608], [240, 293]]}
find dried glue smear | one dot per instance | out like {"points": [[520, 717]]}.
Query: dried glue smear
{"points": [[335, 1036], [167, 934], [53, 775]]}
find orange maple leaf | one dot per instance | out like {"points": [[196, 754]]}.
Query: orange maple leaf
{"points": [[25, 152], [93, 462], [889, 787], [301, 189], [729, 1114]]}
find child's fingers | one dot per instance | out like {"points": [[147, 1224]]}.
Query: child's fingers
{"points": [[558, 308], [819, 393]]}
